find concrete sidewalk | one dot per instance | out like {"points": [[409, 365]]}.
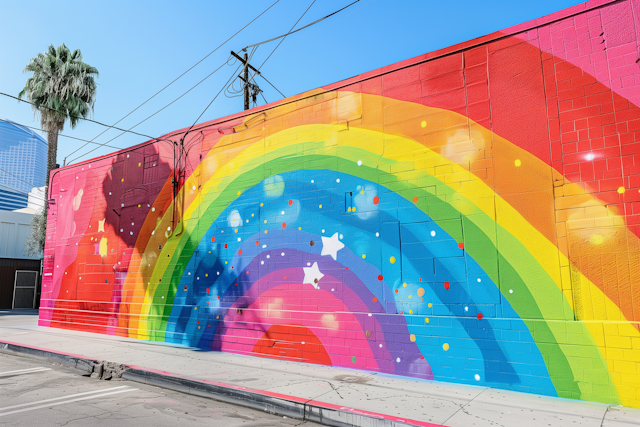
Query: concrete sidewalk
{"points": [[381, 396]]}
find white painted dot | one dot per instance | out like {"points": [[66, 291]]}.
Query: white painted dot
{"points": [[153, 209], [122, 205], [239, 239], [338, 180], [264, 246], [169, 228], [261, 262], [132, 223], [477, 377], [121, 230], [377, 234], [193, 188], [433, 233], [323, 230], [312, 181], [380, 345], [268, 256], [131, 233], [303, 342], [359, 162], [109, 192], [370, 314], [479, 280], [189, 273], [163, 297], [218, 272], [398, 360], [153, 232], [332, 289], [282, 254], [466, 309], [341, 237], [282, 213], [308, 264]]}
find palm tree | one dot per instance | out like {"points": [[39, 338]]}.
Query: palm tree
{"points": [[62, 87]]}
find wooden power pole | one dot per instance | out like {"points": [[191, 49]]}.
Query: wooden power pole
{"points": [[248, 87]]}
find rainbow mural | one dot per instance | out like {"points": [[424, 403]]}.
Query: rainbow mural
{"points": [[471, 215]]}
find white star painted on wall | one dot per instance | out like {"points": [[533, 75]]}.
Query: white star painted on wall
{"points": [[312, 275], [331, 246]]}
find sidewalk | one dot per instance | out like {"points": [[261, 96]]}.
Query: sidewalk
{"points": [[349, 390]]}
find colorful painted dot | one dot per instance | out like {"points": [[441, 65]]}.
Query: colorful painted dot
{"points": [[239, 251], [396, 291], [445, 347], [353, 359], [479, 316], [461, 245], [290, 202], [404, 285], [257, 242], [392, 260], [375, 299], [420, 292], [412, 338], [320, 206], [239, 193], [364, 256], [426, 320], [518, 163], [430, 305], [415, 200], [284, 225], [380, 277], [447, 285], [226, 245], [621, 190], [423, 124], [376, 200]]}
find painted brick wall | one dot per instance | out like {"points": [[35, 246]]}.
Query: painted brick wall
{"points": [[471, 215]]}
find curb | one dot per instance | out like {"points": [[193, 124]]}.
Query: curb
{"points": [[261, 400]]}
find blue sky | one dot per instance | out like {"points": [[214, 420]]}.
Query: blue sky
{"points": [[140, 46]]}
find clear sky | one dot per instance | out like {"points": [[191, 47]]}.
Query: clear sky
{"points": [[140, 46]]}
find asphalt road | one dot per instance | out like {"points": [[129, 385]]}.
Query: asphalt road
{"points": [[34, 393]]}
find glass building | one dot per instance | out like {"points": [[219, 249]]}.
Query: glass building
{"points": [[23, 164]]}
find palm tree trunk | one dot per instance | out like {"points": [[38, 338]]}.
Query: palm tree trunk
{"points": [[52, 152]]}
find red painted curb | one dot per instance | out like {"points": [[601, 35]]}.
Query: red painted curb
{"points": [[309, 402], [295, 399]]}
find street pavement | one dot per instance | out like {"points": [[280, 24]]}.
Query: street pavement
{"points": [[440, 403], [40, 394]]}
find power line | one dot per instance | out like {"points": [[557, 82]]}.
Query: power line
{"points": [[272, 52], [302, 28], [75, 117], [173, 81], [139, 123], [214, 98], [283, 95], [294, 25], [73, 137]]}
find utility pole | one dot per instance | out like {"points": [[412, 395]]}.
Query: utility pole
{"points": [[248, 87]]}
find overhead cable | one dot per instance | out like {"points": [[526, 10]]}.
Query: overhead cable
{"points": [[139, 123], [75, 117], [177, 78], [302, 28], [73, 137]]}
